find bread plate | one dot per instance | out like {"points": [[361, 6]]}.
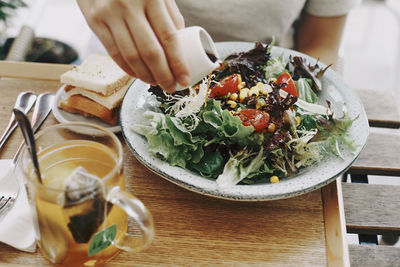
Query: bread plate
{"points": [[64, 117]]}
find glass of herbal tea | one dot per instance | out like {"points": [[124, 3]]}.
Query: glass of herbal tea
{"points": [[80, 209]]}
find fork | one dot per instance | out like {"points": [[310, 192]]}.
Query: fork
{"points": [[6, 202], [8, 191], [41, 111]]}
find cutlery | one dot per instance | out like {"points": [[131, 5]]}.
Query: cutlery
{"points": [[9, 190], [24, 101], [42, 109], [27, 133], [4, 201]]}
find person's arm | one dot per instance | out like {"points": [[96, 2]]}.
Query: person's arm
{"points": [[320, 37], [141, 36]]}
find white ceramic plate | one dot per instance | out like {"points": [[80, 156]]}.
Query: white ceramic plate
{"points": [[64, 117], [137, 100]]}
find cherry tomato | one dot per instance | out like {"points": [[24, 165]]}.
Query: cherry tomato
{"points": [[226, 85], [289, 87], [254, 117]]}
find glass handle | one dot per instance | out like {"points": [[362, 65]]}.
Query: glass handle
{"points": [[140, 230]]}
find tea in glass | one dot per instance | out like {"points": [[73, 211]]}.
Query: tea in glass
{"points": [[77, 221]]}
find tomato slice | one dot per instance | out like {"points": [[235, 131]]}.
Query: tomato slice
{"points": [[289, 87], [226, 85], [254, 117]]}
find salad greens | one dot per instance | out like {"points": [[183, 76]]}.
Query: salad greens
{"points": [[255, 117], [305, 91]]}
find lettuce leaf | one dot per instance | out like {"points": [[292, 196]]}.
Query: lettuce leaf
{"points": [[308, 120], [169, 140], [211, 165], [335, 134], [274, 67], [305, 91], [224, 128], [261, 174], [239, 167]]}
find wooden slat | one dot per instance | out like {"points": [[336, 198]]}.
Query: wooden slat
{"points": [[371, 209], [373, 256], [381, 108], [380, 156], [337, 252], [31, 70]]}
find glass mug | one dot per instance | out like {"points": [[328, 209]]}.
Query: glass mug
{"points": [[80, 211]]}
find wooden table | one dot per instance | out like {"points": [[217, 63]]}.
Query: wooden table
{"points": [[192, 229]]}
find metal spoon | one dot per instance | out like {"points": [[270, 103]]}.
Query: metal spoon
{"points": [[10, 186], [27, 132], [24, 101], [42, 109]]}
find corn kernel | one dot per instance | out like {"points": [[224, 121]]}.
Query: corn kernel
{"points": [[239, 78], [233, 96], [298, 120], [241, 85], [238, 109], [265, 89], [271, 127], [232, 112], [259, 85], [254, 91], [274, 179], [231, 103], [243, 94], [260, 102]]}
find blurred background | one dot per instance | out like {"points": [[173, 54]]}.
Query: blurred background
{"points": [[370, 49]]}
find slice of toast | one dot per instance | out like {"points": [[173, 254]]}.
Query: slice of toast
{"points": [[97, 73], [109, 102], [89, 108], [95, 88]]}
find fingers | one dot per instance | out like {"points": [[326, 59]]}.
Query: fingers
{"points": [[95, 15], [141, 36], [126, 48], [175, 14], [106, 37], [165, 29], [152, 53]]}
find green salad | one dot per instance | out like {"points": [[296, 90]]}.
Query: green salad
{"points": [[255, 119]]}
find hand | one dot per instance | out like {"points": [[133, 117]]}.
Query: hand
{"points": [[141, 36]]}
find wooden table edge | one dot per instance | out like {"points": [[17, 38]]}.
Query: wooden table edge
{"points": [[33, 70], [337, 251]]}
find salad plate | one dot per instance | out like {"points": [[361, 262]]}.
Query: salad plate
{"points": [[138, 100]]}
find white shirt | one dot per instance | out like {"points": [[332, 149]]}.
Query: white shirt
{"points": [[256, 20]]}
